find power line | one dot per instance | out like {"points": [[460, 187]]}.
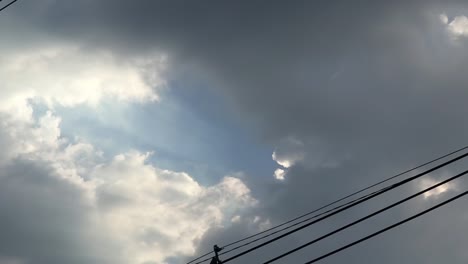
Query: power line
{"points": [[321, 208], [5, 7], [387, 228], [347, 196], [283, 229], [384, 190], [296, 224], [366, 217], [202, 256]]}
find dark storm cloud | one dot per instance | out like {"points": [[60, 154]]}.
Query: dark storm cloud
{"points": [[375, 86], [336, 72]]}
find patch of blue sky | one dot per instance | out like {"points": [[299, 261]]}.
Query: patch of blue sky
{"points": [[191, 129]]}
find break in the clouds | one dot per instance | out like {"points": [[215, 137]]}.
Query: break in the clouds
{"points": [[63, 199], [343, 93], [67, 193]]}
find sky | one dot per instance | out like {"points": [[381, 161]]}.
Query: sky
{"points": [[145, 132]]}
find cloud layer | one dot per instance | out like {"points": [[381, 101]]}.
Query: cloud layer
{"points": [[343, 93], [64, 200], [68, 194]]}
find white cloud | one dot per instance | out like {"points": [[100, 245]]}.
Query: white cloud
{"points": [[428, 182], [68, 75], [289, 152], [158, 213], [279, 174], [262, 224], [443, 18], [284, 162], [458, 26], [25, 136], [150, 213], [146, 212], [236, 219]]}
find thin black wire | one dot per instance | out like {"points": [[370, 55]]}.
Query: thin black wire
{"points": [[384, 190], [327, 205], [5, 7], [296, 224], [388, 228], [204, 255], [367, 217], [335, 208], [268, 235], [348, 196]]}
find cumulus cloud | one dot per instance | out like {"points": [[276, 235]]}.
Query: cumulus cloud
{"points": [[398, 100], [286, 162], [458, 26], [70, 75], [147, 213], [158, 213], [291, 151], [279, 174], [89, 208]]}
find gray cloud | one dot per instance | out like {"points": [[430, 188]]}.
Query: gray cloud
{"points": [[344, 73], [374, 86], [45, 219]]}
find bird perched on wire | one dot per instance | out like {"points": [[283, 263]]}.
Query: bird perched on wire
{"points": [[215, 259]]}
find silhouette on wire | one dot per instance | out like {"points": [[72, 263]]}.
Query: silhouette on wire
{"points": [[319, 209], [335, 211]]}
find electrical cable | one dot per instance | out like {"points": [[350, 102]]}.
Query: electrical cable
{"points": [[384, 190], [321, 208], [5, 7], [387, 228], [367, 217]]}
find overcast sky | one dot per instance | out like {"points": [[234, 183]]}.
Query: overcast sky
{"points": [[145, 132]]}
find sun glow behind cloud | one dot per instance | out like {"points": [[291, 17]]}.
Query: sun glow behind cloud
{"points": [[69, 75], [427, 182], [147, 212], [457, 27]]}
